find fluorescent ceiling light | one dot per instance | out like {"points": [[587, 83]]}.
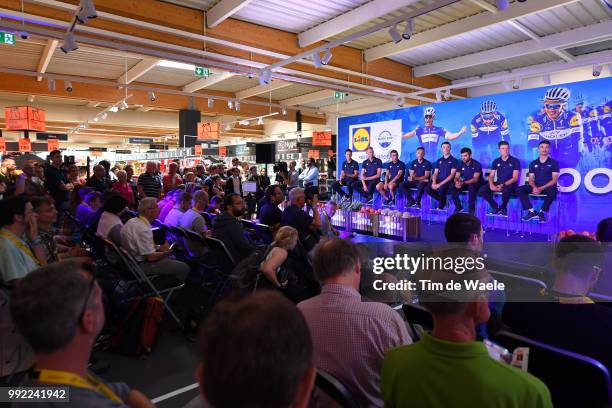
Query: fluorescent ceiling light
{"points": [[176, 65]]}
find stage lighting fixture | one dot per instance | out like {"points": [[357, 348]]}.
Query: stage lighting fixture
{"points": [[326, 57], [68, 86], [283, 110], [409, 30], [243, 123], [597, 70], [395, 35], [95, 119], [516, 84], [152, 96], [87, 10], [502, 5], [228, 127], [399, 101], [316, 59], [211, 103], [69, 43], [237, 105]]}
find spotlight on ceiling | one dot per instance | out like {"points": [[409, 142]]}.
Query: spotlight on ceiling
{"points": [[68, 86], [502, 4], [326, 57], [260, 121], [211, 103], [152, 96], [316, 59], [95, 119], [516, 84], [265, 76], [438, 96], [69, 43], [283, 110], [244, 123], [230, 104], [113, 109], [597, 70], [104, 115], [409, 30], [87, 10], [395, 34], [237, 105], [446, 94], [51, 84], [546, 79], [228, 127], [123, 105], [399, 101]]}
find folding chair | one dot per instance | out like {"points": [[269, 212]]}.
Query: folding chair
{"points": [[264, 232], [519, 288], [129, 264], [335, 389], [574, 380], [224, 260]]}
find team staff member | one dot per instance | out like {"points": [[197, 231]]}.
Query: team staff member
{"points": [[507, 170], [543, 176], [371, 169], [348, 176], [418, 177], [393, 177], [441, 182], [430, 135], [467, 177]]}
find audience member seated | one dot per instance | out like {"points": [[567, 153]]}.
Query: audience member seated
{"points": [[350, 336], [269, 213], [110, 224], [255, 353], [214, 208], [91, 203], [296, 217], [57, 247], [182, 205], [172, 179], [63, 340], [327, 229], [449, 368], [192, 219], [124, 187], [170, 201], [565, 316], [273, 267], [21, 248], [99, 181], [137, 238], [228, 228]]}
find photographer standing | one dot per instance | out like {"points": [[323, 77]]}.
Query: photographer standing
{"points": [[310, 178], [294, 216]]}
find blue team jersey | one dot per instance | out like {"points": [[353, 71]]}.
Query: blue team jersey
{"points": [[429, 138], [590, 123], [483, 135], [445, 166], [394, 168], [350, 168], [419, 168], [565, 135], [468, 170], [605, 118], [371, 167], [504, 169], [542, 172]]}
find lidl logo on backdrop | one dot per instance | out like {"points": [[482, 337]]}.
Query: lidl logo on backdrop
{"points": [[361, 138]]}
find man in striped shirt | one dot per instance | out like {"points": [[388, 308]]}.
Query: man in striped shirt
{"points": [[150, 182]]}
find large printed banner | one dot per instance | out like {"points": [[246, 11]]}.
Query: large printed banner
{"points": [[576, 118]]}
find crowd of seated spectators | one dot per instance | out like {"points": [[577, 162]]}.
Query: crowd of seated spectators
{"points": [[307, 313]]}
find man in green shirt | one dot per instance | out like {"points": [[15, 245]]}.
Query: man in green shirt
{"points": [[449, 368]]}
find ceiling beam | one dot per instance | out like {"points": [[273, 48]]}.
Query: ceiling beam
{"points": [[595, 32], [138, 70], [260, 89], [202, 83], [45, 57], [308, 98], [477, 22], [484, 5], [223, 10], [534, 36], [351, 19]]}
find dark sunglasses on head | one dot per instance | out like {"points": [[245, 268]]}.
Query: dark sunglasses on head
{"points": [[488, 116], [428, 116], [552, 106]]}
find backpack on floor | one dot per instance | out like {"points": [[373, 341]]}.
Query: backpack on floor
{"points": [[138, 332]]}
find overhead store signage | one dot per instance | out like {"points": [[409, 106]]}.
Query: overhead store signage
{"points": [[2, 145], [198, 150], [25, 145], [223, 151], [158, 146], [321, 138], [98, 149], [47, 136], [301, 145], [123, 151], [7, 38], [209, 131], [52, 144], [24, 118], [141, 140], [339, 95], [202, 72], [313, 154], [286, 146]]}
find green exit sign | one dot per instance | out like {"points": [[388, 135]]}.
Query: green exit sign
{"points": [[338, 95], [202, 72], [7, 38]]}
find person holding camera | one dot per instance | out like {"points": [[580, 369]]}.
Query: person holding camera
{"points": [[294, 216]]}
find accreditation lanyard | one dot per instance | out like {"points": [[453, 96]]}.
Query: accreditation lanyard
{"points": [[75, 380], [20, 244]]}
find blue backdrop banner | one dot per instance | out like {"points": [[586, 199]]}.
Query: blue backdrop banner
{"points": [[576, 118]]}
